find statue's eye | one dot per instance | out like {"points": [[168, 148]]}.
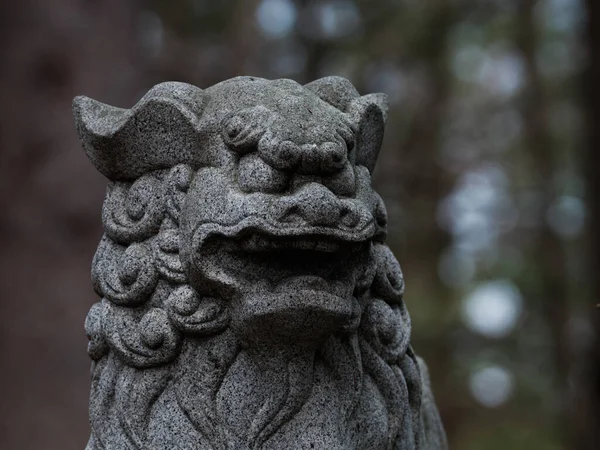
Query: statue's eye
{"points": [[240, 135], [234, 127]]}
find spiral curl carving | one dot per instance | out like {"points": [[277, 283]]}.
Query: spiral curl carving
{"points": [[195, 315], [389, 282], [387, 329], [124, 275], [166, 256], [141, 339], [141, 247], [134, 212], [177, 184], [97, 345]]}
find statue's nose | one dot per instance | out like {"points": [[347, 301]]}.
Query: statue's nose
{"points": [[328, 157], [313, 204]]}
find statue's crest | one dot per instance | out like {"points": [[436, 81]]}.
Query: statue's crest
{"points": [[248, 297]]}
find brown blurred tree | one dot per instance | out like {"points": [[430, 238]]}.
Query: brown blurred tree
{"points": [[588, 398], [552, 289], [50, 199]]}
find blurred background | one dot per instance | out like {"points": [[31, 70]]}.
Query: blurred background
{"points": [[488, 171]]}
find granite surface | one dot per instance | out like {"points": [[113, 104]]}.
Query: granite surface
{"points": [[248, 298]]}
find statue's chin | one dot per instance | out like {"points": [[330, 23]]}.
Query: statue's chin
{"points": [[293, 316]]}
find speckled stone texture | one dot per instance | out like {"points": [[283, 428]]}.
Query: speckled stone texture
{"points": [[248, 298]]}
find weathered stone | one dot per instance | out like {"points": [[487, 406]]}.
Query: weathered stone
{"points": [[248, 297]]}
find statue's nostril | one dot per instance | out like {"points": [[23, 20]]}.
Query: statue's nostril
{"points": [[291, 215], [349, 218], [333, 156]]}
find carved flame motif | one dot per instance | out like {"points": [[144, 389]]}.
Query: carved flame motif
{"points": [[248, 299]]}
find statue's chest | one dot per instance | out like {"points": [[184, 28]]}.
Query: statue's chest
{"points": [[324, 422], [331, 415]]}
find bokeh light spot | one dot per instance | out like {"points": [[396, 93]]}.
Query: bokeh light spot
{"points": [[276, 18], [491, 386], [493, 308], [566, 216]]}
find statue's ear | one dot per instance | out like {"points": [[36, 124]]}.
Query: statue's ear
{"points": [[336, 91], [160, 131], [369, 112]]}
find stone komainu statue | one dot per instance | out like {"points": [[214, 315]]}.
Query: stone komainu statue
{"points": [[249, 300]]}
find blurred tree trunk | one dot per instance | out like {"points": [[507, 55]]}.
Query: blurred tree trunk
{"points": [[552, 289], [50, 198], [588, 436], [421, 183]]}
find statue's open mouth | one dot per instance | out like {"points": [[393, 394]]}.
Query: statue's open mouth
{"points": [[255, 250], [300, 263], [301, 281], [309, 261]]}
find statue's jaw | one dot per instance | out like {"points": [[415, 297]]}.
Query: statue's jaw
{"points": [[294, 316]]}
